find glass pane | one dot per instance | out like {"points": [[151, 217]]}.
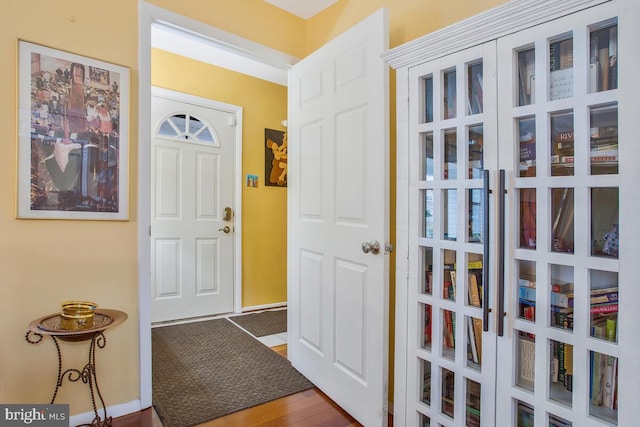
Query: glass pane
{"points": [[561, 69], [604, 140], [476, 158], [562, 152], [524, 414], [474, 87], [527, 290], [474, 341], [603, 67], [425, 421], [604, 305], [449, 275], [561, 297], [450, 214], [526, 77], [561, 369], [475, 200], [427, 261], [528, 218], [562, 210], [180, 122], [526, 351], [427, 147], [474, 266], [527, 138], [448, 392], [428, 99], [195, 125], [426, 382], [205, 136], [448, 334], [428, 214], [450, 93], [450, 150], [604, 221], [167, 129], [603, 386], [556, 421], [473, 404], [426, 321]]}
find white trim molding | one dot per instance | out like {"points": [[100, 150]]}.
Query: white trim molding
{"points": [[502, 20]]}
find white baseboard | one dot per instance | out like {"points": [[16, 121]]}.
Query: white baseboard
{"points": [[112, 411], [265, 307]]}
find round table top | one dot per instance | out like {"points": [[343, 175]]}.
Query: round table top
{"points": [[51, 325]]}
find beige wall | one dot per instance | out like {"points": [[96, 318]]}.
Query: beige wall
{"points": [[45, 262]]}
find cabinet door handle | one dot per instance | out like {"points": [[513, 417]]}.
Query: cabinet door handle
{"points": [[501, 236], [485, 262]]}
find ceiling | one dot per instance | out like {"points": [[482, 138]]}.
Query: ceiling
{"points": [[305, 9]]}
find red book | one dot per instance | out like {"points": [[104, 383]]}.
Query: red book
{"points": [[605, 308]]}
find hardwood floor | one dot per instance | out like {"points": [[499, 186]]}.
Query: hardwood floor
{"points": [[306, 409]]}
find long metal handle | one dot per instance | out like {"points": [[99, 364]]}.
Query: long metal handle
{"points": [[501, 236], [486, 263]]}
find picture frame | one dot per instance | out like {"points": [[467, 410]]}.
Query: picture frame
{"points": [[73, 136]]}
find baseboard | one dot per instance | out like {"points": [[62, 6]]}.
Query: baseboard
{"points": [[265, 307], [112, 411]]}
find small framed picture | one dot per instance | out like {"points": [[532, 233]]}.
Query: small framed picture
{"points": [[73, 141]]}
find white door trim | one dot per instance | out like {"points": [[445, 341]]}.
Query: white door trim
{"points": [[147, 16]]}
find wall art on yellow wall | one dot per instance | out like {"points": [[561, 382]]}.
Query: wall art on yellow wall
{"points": [[73, 136], [275, 157]]}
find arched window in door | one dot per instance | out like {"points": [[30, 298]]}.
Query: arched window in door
{"points": [[186, 127]]}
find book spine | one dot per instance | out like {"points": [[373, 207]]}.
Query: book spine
{"points": [[607, 298], [603, 309]]}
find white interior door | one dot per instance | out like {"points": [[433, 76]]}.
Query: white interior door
{"points": [[192, 221], [338, 201]]}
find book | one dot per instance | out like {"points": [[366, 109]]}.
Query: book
{"points": [[527, 293], [526, 367], [561, 299], [609, 380], [474, 300], [604, 298], [560, 286], [472, 341], [604, 308], [596, 378], [568, 366]]}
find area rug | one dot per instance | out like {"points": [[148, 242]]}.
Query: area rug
{"points": [[263, 323], [205, 370]]}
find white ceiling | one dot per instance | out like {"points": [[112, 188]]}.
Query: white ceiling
{"points": [[305, 9]]}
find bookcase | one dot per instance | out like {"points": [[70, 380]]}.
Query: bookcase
{"points": [[517, 206]]}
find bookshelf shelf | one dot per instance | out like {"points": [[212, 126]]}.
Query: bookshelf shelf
{"points": [[520, 301]]}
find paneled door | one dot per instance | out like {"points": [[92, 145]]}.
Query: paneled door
{"points": [[339, 219], [192, 220]]}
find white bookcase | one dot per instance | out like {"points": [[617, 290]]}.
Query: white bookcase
{"points": [[517, 195]]}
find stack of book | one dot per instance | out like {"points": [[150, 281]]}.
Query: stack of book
{"points": [[562, 304], [604, 313]]}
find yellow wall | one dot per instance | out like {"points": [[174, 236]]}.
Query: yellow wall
{"points": [[45, 262], [264, 209]]}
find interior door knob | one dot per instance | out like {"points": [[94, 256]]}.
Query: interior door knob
{"points": [[373, 247], [226, 229]]}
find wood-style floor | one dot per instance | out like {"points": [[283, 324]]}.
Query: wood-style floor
{"points": [[306, 409]]}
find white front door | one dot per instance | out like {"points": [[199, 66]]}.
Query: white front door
{"points": [[338, 198], [192, 219]]}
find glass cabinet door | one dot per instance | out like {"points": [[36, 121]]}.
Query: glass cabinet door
{"points": [[451, 350], [558, 131]]}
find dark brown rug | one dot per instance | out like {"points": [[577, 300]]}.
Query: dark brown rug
{"points": [[263, 323], [205, 370]]}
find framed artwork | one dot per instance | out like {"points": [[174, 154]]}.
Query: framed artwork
{"points": [[73, 136], [275, 157]]}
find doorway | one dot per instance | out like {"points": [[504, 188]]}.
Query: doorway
{"points": [[274, 61], [192, 206]]}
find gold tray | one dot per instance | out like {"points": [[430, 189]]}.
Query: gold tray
{"points": [[52, 325]]}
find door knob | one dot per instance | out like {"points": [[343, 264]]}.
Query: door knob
{"points": [[373, 247], [226, 229]]}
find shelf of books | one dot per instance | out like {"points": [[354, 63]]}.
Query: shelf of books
{"points": [[561, 269]]}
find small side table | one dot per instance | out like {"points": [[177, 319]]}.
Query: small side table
{"points": [[51, 325]]}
